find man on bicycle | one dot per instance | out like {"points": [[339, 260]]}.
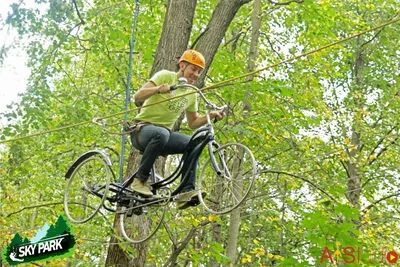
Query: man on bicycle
{"points": [[155, 136]]}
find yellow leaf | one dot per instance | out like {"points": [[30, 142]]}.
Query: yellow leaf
{"points": [[352, 148], [371, 235], [212, 217], [260, 253], [277, 257], [247, 258]]}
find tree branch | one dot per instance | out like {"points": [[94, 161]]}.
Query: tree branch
{"points": [[373, 38], [34, 206], [380, 200], [54, 49], [380, 142], [272, 46], [286, 3], [234, 38], [46, 205], [376, 35], [77, 11], [183, 244], [301, 178], [115, 67], [198, 38], [69, 77], [173, 240]]}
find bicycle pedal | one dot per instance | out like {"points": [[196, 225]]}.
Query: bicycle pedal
{"points": [[130, 193], [145, 197], [196, 197], [124, 203], [194, 202]]}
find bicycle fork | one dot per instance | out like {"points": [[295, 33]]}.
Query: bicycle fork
{"points": [[215, 163]]}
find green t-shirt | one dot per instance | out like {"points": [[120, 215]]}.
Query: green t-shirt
{"points": [[165, 114]]}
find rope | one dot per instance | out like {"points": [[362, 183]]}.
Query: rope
{"points": [[220, 84], [127, 96]]}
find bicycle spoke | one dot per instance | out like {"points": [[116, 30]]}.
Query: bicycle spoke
{"points": [[228, 191], [139, 224], [80, 203]]}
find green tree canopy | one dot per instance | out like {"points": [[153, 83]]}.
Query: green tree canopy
{"points": [[324, 128]]}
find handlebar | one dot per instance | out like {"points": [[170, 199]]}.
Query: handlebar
{"points": [[210, 106], [173, 87]]}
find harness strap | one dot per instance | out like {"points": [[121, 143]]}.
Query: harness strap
{"points": [[135, 129]]}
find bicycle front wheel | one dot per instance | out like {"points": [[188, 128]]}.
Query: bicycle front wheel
{"points": [[227, 188], [86, 189], [141, 223]]}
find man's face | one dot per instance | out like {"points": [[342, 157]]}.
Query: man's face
{"points": [[191, 72]]}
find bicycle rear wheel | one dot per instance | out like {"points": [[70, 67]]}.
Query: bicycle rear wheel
{"points": [[141, 223], [86, 189], [228, 189]]}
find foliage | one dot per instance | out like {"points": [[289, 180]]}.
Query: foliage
{"points": [[301, 125]]}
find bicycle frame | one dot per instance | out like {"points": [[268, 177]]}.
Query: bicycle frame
{"points": [[209, 107], [206, 137]]}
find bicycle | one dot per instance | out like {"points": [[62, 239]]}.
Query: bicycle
{"points": [[227, 176]]}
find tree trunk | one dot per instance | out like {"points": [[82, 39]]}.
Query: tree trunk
{"points": [[34, 213], [255, 34], [283, 210], [216, 237], [116, 255], [354, 177], [175, 35], [181, 245], [215, 31], [235, 218]]}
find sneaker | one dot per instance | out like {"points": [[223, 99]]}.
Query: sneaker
{"points": [[142, 188], [183, 197], [187, 199]]}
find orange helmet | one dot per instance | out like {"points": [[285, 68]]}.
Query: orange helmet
{"points": [[194, 57]]}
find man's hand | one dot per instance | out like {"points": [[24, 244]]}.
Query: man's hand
{"points": [[195, 121], [163, 89], [149, 89], [216, 115]]}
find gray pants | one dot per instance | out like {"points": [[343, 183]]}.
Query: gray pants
{"points": [[159, 141]]}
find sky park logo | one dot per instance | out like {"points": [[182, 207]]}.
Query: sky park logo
{"points": [[351, 254], [50, 242]]}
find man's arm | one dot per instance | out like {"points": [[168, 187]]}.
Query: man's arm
{"points": [[149, 89], [195, 121]]}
